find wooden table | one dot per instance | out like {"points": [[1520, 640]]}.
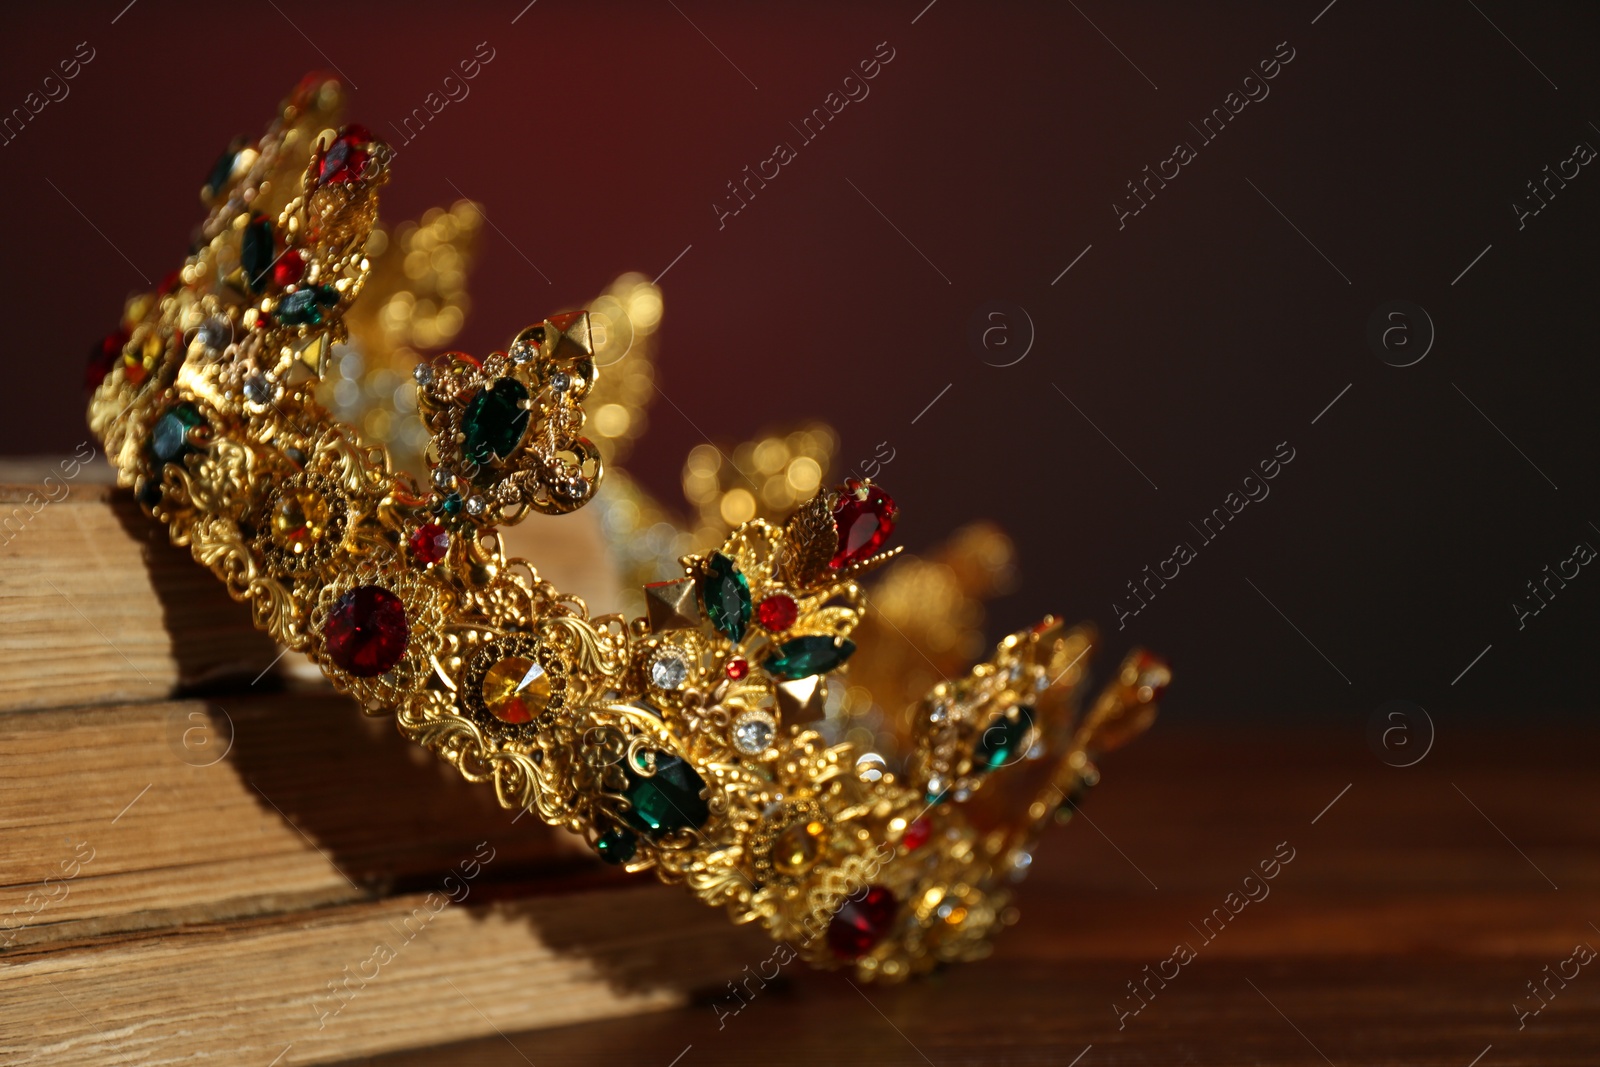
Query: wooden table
{"points": [[1418, 904]]}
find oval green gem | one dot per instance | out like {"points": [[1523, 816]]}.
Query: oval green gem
{"points": [[805, 656], [1002, 742], [495, 421], [667, 800], [726, 595]]}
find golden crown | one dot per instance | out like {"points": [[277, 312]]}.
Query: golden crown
{"points": [[713, 739]]}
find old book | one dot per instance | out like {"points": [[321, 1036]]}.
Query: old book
{"points": [[207, 860]]}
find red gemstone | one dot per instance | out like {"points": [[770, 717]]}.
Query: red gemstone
{"points": [[430, 542], [861, 922], [347, 157], [864, 516], [777, 613], [289, 269], [737, 668], [917, 834], [105, 356], [366, 632]]}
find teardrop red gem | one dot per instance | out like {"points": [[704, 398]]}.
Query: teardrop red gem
{"points": [[864, 516]]}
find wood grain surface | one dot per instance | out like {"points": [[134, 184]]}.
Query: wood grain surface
{"points": [[1404, 930]]}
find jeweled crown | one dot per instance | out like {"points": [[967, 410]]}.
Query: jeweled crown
{"points": [[710, 739]]}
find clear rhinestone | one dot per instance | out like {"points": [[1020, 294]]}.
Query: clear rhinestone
{"points": [[560, 381], [257, 389], [443, 478], [669, 670], [935, 785], [752, 733], [423, 373], [870, 766], [522, 352], [961, 794], [214, 333], [939, 713], [476, 505]]}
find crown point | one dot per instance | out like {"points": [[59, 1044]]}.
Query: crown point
{"points": [[800, 701], [672, 605], [865, 516]]}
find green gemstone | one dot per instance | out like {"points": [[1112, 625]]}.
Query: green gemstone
{"points": [[169, 438], [667, 800], [257, 252], [805, 656], [616, 846], [495, 421], [1002, 742], [727, 597], [303, 307], [451, 505]]}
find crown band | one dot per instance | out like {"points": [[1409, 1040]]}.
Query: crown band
{"points": [[685, 741]]}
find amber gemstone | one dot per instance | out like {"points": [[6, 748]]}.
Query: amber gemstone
{"points": [[861, 922], [777, 613], [347, 157], [864, 516], [299, 519], [797, 849], [429, 542], [367, 632], [516, 689]]}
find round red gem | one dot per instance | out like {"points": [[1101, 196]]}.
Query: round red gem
{"points": [[737, 668], [347, 157], [917, 834], [861, 922], [366, 632], [289, 269], [430, 542], [865, 516], [777, 613]]}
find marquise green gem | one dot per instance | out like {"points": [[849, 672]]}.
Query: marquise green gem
{"points": [[667, 800], [257, 251], [495, 421], [805, 656], [726, 595], [1002, 742], [169, 438]]}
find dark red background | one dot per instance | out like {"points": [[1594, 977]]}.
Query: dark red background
{"points": [[997, 139]]}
